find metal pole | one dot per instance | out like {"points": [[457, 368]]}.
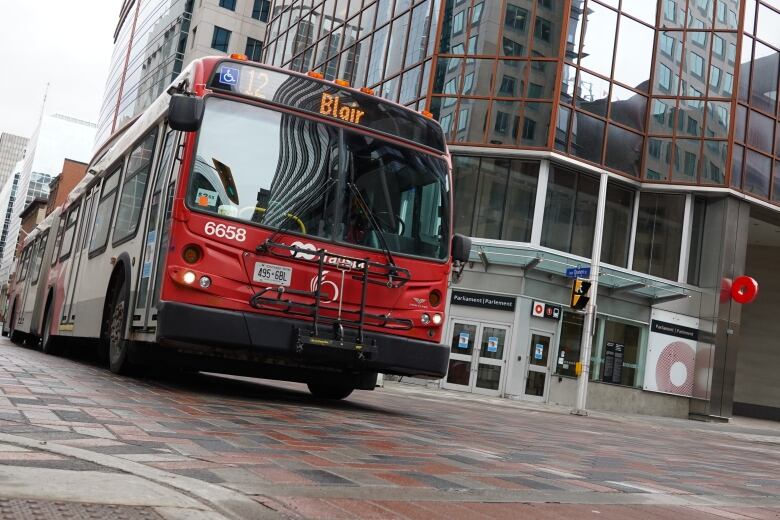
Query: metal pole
{"points": [[590, 309]]}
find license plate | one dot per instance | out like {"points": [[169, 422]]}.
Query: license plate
{"points": [[273, 274]]}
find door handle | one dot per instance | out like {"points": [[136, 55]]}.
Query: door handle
{"points": [[519, 358]]}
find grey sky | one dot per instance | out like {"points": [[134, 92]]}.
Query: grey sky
{"points": [[67, 43]]}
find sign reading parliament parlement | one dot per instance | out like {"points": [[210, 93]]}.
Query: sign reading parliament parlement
{"points": [[485, 301]]}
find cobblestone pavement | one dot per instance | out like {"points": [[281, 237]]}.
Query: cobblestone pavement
{"points": [[400, 452]]}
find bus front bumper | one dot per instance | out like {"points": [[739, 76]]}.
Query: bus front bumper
{"points": [[205, 328]]}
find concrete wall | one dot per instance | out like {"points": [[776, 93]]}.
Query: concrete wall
{"points": [[622, 399], [758, 361]]}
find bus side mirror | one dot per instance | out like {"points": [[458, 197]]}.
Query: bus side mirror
{"points": [[461, 248], [185, 113]]}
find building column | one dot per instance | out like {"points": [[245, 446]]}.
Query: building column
{"points": [[723, 259]]}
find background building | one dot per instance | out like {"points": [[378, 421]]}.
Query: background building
{"points": [[56, 137], [61, 185], [662, 114], [155, 39], [11, 151]]}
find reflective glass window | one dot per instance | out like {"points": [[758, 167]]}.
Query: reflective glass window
{"points": [[757, 171], [587, 137], [713, 162], [505, 126], [627, 107], [520, 201], [737, 161], [220, 39], [686, 160], [536, 124], [619, 212], [662, 116], [139, 165], [570, 212], [634, 53], [641, 9], [767, 25], [597, 48], [659, 234], [763, 87], [592, 93], [472, 120], [465, 175], [659, 159], [624, 150], [491, 197], [759, 134], [418, 31], [718, 119]]}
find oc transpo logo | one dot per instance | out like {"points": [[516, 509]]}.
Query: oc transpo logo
{"points": [[329, 291]]}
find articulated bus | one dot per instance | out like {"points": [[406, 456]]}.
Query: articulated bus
{"points": [[254, 221]]}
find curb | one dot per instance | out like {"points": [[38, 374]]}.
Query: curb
{"points": [[227, 502]]}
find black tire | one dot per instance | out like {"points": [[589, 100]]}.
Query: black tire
{"points": [[116, 345], [335, 392], [49, 344]]}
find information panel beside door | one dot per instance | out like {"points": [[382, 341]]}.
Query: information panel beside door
{"points": [[477, 357]]}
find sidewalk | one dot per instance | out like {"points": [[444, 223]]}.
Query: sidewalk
{"points": [[46, 480]]}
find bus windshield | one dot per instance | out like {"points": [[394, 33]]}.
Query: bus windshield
{"points": [[280, 170]]}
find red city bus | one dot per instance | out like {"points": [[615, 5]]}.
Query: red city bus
{"points": [[262, 222]]}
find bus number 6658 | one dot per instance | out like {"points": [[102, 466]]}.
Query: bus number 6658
{"points": [[225, 231]]}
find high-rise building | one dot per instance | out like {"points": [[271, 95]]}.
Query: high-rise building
{"points": [[11, 151], [155, 39], [640, 136], [56, 138]]}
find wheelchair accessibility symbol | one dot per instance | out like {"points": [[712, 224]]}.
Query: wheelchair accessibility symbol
{"points": [[228, 75]]}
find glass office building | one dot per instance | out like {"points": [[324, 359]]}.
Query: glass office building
{"points": [[650, 125], [155, 39]]}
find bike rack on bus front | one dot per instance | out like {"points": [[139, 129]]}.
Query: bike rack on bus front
{"points": [[363, 270]]}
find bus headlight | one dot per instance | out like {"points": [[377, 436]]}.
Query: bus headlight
{"points": [[437, 319], [425, 319], [205, 282], [189, 277]]}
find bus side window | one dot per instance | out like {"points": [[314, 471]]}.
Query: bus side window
{"points": [[36, 268], [60, 230], [104, 213], [23, 263], [70, 230], [139, 164]]}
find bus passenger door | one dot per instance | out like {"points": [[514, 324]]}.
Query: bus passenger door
{"points": [[156, 236], [74, 248]]}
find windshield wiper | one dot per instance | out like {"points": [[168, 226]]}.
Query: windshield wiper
{"points": [[301, 206], [372, 220]]}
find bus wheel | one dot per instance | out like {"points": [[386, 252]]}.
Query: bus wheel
{"points": [[48, 343], [322, 391], [118, 361]]}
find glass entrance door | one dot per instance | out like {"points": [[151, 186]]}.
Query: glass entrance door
{"points": [[538, 373], [477, 357]]}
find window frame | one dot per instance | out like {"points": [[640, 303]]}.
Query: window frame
{"points": [[116, 169], [43, 239], [214, 38], [126, 178], [230, 7], [74, 209]]}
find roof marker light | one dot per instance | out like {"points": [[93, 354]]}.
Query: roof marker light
{"points": [[427, 113], [315, 74], [341, 82], [240, 57], [366, 90]]}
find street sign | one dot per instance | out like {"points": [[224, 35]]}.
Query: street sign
{"points": [[578, 272]]}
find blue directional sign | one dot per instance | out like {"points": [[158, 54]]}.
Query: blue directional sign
{"points": [[578, 272], [229, 75]]}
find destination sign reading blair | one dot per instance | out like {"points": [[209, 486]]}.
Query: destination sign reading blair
{"points": [[326, 99]]}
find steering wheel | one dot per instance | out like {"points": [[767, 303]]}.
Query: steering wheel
{"points": [[385, 220], [258, 209]]}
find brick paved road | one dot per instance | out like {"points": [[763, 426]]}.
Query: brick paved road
{"points": [[400, 452]]}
